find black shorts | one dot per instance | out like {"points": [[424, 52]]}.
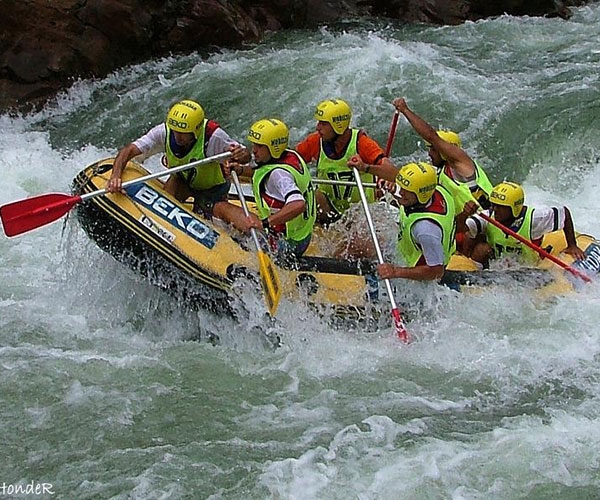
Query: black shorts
{"points": [[204, 201]]}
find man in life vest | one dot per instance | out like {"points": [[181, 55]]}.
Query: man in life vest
{"points": [[457, 171], [336, 148], [455, 167], [508, 208], [426, 240], [187, 136], [283, 191]]}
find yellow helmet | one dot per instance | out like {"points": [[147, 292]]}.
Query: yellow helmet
{"points": [[449, 136], [272, 133], [336, 112], [419, 178], [185, 116], [508, 194]]}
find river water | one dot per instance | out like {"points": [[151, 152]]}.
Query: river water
{"points": [[104, 396]]}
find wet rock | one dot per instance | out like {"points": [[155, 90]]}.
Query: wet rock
{"points": [[46, 45]]}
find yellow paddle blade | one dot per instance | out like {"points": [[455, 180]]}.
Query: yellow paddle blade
{"points": [[269, 279]]}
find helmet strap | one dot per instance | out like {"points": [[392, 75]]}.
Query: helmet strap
{"points": [[417, 207]]}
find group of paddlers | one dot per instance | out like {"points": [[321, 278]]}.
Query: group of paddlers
{"points": [[445, 205]]}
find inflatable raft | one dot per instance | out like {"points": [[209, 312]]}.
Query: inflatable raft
{"points": [[199, 260]]}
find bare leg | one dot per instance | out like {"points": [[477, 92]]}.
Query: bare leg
{"points": [[467, 244], [357, 247], [230, 213], [481, 253], [325, 212], [178, 188]]}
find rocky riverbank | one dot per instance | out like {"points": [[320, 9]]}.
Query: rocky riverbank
{"points": [[46, 45]]}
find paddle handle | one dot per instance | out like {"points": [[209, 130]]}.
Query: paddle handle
{"points": [[334, 182], [398, 323], [535, 247], [240, 191], [269, 278], [162, 173], [392, 133]]}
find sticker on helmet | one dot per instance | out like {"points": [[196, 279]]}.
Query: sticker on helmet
{"points": [[254, 134], [175, 123]]}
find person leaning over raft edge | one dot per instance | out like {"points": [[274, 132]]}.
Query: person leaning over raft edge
{"points": [[186, 136], [532, 223], [283, 191], [455, 167]]}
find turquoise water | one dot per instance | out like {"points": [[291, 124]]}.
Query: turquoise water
{"points": [[102, 396]]}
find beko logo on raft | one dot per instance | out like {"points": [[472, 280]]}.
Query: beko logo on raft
{"points": [[170, 212]]}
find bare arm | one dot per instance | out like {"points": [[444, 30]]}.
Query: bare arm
{"points": [[569, 231], [419, 273], [239, 153], [460, 160], [385, 170], [469, 209], [124, 155], [239, 161], [242, 169], [287, 213]]}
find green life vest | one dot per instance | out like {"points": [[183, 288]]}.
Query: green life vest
{"points": [[478, 189], [200, 178], [341, 197], [441, 211], [301, 226], [502, 242]]}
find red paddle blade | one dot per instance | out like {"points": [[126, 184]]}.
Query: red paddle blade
{"points": [[401, 330], [24, 215], [392, 134]]}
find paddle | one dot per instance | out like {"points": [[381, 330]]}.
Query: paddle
{"points": [[30, 213], [269, 278], [334, 182], [398, 323], [535, 247], [392, 133]]}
